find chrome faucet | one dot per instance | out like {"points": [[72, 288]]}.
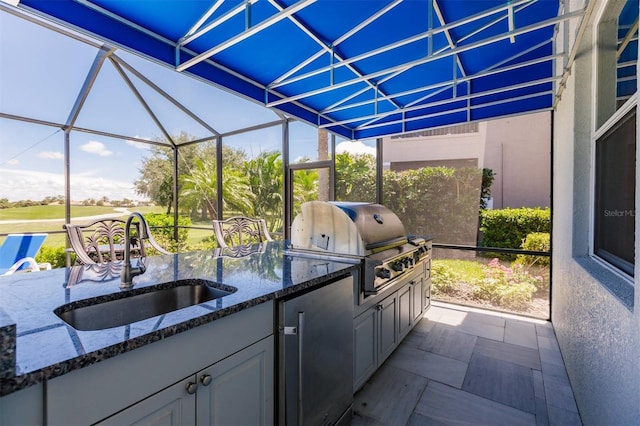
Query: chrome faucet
{"points": [[128, 271]]}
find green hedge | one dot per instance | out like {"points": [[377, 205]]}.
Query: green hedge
{"points": [[508, 228], [162, 228], [536, 241], [56, 256], [439, 201]]}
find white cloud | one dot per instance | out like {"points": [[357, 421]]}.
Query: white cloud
{"points": [[95, 147], [27, 184], [13, 162], [139, 145], [51, 155], [356, 147]]}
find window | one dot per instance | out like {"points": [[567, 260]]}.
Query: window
{"points": [[615, 136], [614, 216]]}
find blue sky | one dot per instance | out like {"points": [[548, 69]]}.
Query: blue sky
{"points": [[41, 75]]}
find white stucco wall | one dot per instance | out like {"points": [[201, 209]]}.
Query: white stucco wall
{"points": [[597, 333]]}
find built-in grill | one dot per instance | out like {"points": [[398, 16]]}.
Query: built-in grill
{"points": [[365, 232]]}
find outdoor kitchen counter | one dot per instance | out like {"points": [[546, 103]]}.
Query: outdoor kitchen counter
{"points": [[36, 345]]}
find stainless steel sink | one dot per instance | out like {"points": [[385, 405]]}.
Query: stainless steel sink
{"points": [[140, 304]]}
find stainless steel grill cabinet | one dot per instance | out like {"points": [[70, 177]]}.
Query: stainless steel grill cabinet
{"points": [[368, 232]]}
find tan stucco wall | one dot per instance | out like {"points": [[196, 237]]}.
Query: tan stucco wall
{"points": [[447, 147], [517, 149]]}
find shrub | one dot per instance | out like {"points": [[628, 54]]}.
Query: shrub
{"points": [[444, 280], [207, 243], [507, 228], [510, 287], [56, 256], [535, 241], [162, 228]]}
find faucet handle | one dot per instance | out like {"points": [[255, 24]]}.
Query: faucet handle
{"points": [[141, 266]]}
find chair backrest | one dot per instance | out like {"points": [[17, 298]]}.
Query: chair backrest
{"points": [[240, 230], [19, 246], [236, 252], [103, 241]]}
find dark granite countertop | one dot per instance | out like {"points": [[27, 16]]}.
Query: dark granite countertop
{"points": [[36, 345]]}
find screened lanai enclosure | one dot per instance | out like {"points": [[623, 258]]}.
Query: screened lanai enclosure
{"points": [[201, 110]]}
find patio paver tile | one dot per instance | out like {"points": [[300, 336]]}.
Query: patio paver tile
{"points": [[545, 330], [390, 396], [417, 419], [505, 372], [449, 316], [489, 319], [431, 366], [446, 405], [488, 331], [549, 343], [501, 381], [519, 355], [424, 326], [556, 371], [542, 414], [559, 394], [447, 341], [414, 339], [560, 416], [550, 356], [521, 333], [361, 420]]}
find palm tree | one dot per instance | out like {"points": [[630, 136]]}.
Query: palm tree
{"points": [[266, 181], [305, 188], [200, 188]]}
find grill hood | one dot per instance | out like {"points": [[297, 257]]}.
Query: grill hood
{"points": [[358, 229]]}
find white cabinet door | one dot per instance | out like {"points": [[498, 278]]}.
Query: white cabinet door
{"points": [[365, 347], [405, 307], [171, 406], [388, 326], [96, 392], [418, 296], [426, 287], [239, 389], [24, 407]]}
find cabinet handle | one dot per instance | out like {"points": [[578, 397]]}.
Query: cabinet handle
{"points": [[300, 366], [205, 379], [192, 387], [379, 307]]}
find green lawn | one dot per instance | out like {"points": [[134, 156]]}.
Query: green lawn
{"points": [[57, 212], [197, 235], [469, 270], [50, 219]]}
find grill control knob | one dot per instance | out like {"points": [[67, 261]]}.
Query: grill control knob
{"points": [[383, 273], [397, 266]]}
